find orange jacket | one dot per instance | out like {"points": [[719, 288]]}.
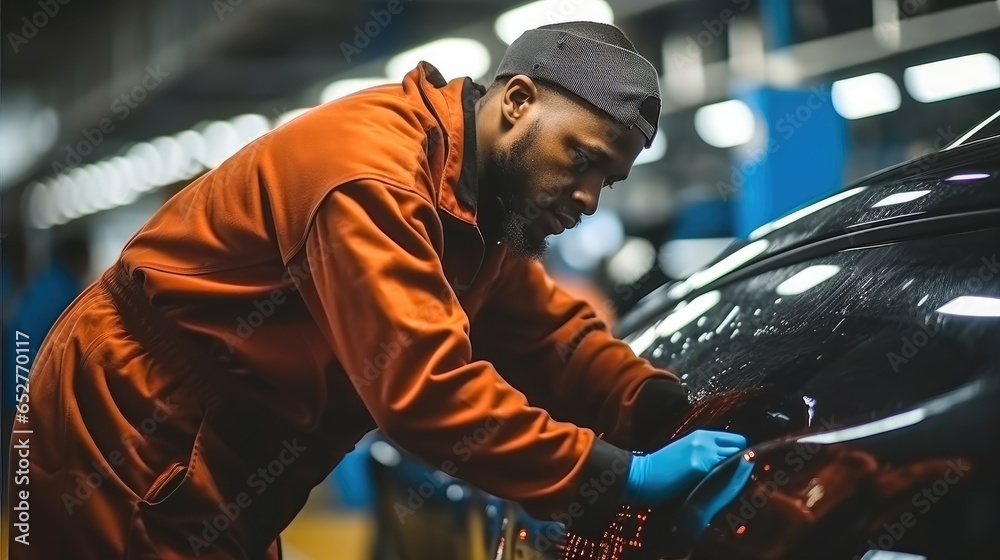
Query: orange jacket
{"points": [[335, 268]]}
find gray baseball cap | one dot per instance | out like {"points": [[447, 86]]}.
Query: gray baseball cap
{"points": [[617, 81]]}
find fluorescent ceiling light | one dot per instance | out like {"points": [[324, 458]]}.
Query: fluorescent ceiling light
{"points": [[82, 189], [223, 140], [27, 132], [62, 199], [864, 96], [454, 492], [725, 124], [38, 205], [684, 71], [173, 158], [453, 57], [597, 237], [807, 279], [972, 306], [127, 172], [900, 198], [146, 157], [192, 144], [635, 258], [341, 88], [654, 152], [385, 453], [953, 77], [289, 115], [511, 24], [250, 126], [105, 177]]}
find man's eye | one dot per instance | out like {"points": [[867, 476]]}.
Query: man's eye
{"points": [[581, 161]]}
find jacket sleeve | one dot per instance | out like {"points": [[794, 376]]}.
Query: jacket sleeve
{"points": [[553, 347], [379, 293]]}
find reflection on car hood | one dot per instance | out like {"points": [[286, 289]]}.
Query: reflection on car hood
{"points": [[959, 180]]}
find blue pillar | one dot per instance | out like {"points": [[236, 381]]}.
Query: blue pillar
{"points": [[776, 21], [798, 158]]}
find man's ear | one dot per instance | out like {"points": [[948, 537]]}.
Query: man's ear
{"points": [[519, 95]]}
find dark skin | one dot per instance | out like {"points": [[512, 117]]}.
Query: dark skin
{"points": [[544, 155]]}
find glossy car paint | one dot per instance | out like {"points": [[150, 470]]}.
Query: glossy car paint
{"points": [[856, 343]]}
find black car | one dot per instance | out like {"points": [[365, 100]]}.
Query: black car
{"points": [[856, 344]]}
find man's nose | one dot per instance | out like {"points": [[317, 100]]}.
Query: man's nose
{"points": [[588, 196]]}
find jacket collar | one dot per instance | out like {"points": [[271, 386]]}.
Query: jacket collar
{"points": [[454, 106]]}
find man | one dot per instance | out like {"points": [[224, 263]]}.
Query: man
{"points": [[372, 263]]}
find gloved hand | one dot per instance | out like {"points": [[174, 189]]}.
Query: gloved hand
{"points": [[662, 475]]}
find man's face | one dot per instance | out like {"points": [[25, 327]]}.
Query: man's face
{"points": [[551, 165]]}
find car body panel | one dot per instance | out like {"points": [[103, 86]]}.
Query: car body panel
{"points": [[850, 314], [920, 481], [920, 190], [871, 318]]}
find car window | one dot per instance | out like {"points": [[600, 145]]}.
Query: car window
{"points": [[840, 339]]}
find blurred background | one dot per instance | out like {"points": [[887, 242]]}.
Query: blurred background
{"points": [[107, 108]]}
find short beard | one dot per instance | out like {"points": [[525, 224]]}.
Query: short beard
{"points": [[522, 242], [509, 170]]}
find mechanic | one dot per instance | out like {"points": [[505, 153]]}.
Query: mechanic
{"points": [[373, 263]]}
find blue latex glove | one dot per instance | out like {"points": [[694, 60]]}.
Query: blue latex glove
{"points": [[712, 495], [664, 474]]}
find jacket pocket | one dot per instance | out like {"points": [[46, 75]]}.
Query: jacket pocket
{"points": [[161, 520], [166, 484]]}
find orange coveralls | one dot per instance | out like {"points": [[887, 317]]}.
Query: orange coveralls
{"points": [[328, 279]]}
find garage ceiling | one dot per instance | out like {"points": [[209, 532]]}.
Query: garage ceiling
{"points": [[213, 59]]}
